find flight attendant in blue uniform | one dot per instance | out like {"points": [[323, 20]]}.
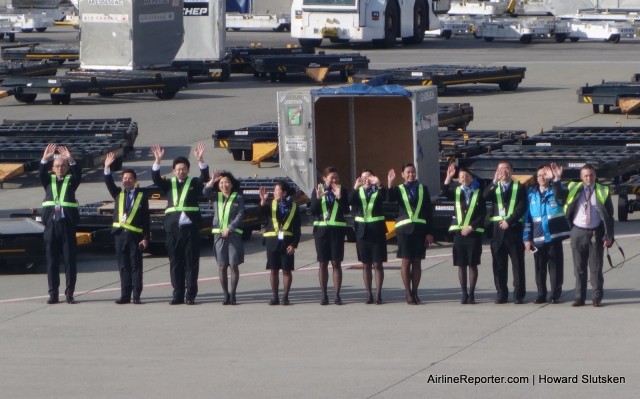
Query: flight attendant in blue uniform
{"points": [[329, 204]]}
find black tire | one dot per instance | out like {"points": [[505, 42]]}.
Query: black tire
{"points": [[574, 39], [614, 39], [106, 93], [166, 94], [391, 23], [446, 34], [26, 98], [27, 30], [526, 39], [488, 39], [442, 90], [508, 85], [57, 99], [623, 207], [236, 154], [420, 24], [606, 109], [596, 108], [310, 43], [1, 35], [273, 77], [41, 29], [561, 37]]}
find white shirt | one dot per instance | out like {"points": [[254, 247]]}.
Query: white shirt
{"points": [[580, 217]]}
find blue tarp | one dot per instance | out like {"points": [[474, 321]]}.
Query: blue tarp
{"points": [[241, 6], [365, 89]]}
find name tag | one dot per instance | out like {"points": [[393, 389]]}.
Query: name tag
{"points": [[58, 207], [124, 218], [281, 235], [503, 212]]}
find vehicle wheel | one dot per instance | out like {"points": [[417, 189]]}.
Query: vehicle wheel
{"points": [[273, 77], [246, 234], [561, 37], [41, 29], [1, 35], [419, 24], [508, 85], [225, 74], [12, 37], [623, 210], [27, 30], [574, 39], [606, 109], [166, 94], [442, 90], [526, 39], [310, 43], [25, 98], [106, 93], [447, 34], [390, 27], [237, 155], [488, 39], [57, 99], [614, 39], [596, 109]]}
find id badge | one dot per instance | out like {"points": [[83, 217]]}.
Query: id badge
{"points": [[58, 207], [124, 218], [503, 213], [281, 235], [326, 216]]}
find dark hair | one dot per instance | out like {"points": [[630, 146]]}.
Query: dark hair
{"points": [[180, 160], [328, 170], [130, 171], [504, 161], [464, 169], [234, 182], [366, 171], [406, 165], [588, 166], [284, 186]]}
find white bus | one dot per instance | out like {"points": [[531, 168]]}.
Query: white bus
{"points": [[377, 21]]}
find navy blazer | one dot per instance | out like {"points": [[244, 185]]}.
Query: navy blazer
{"points": [[142, 218], [72, 214]]}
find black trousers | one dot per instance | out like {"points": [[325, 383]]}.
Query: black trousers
{"points": [[129, 263], [183, 248], [588, 252], [60, 244], [511, 247], [549, 256]]}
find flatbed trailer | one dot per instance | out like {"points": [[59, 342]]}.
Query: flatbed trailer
{"points": [[22, 244], [469, 143], [163, 84], [240, 142], [38, 52], [442, 76], [242, 56], [595, 136], [316, 66], [10, 69], [625, 95]]}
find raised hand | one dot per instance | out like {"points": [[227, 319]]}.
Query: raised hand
{"points": [[359, 183], [557, 170], [373, 180], [319, 191], [65, 153], [451, 171], [49, 151], [335, 188], [264, 195], [158, 152], [391, 176], [199, 151], [109, 160]]}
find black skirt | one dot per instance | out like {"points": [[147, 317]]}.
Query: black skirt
{"points": [[372, 247], [412, 246], [467, 250], [330, 247]]}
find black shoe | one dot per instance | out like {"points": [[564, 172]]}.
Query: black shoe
{"points": [[285, 301], [274, 301], [338, 300], [518, 301], [53, 300], [227, 300], [472, 300], [176, 301], [233, 300], [554, 301], [577, 303], [191, 301], [379, 301], [500, 301], [369, 300], [71, 300], [597, 303], [539, 300], [122, 301], [465, 298], [324, 301], [137, 301], [416, 298]]}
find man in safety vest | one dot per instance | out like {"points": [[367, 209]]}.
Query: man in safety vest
{"points": [[590, 213], [131, 223], [182, 221], [60, 216], [509, 199]]}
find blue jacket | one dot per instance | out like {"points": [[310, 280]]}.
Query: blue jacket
{"points": [[544, 220]]}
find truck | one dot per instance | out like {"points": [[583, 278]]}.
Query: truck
{"points": [[259, 14], [381, 22]]}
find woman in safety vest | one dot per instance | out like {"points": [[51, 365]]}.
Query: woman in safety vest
{"points": [[281, 237], [371, 242], [414, 227], [228, 211], [545, 226], [329, 204], [467, 227]]}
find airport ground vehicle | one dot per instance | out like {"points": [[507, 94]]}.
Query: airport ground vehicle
{"points": [[259, 14], [379, 21]]}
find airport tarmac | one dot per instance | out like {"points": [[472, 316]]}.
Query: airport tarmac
{"points": [[439, 349]]}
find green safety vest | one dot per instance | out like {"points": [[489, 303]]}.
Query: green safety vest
{"points": [[134, 209], [412, 217], [512, 202], [467, 219], [367, 208], [58, 198], [602, 192], [332, 219], [223, 213], [178, 204], [274, 219]]}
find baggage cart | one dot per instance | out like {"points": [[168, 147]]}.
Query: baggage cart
{"points": [[316, 66]]}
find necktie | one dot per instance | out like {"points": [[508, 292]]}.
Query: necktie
{"points": [[129, 201], [587, 205], [467, 194]]}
